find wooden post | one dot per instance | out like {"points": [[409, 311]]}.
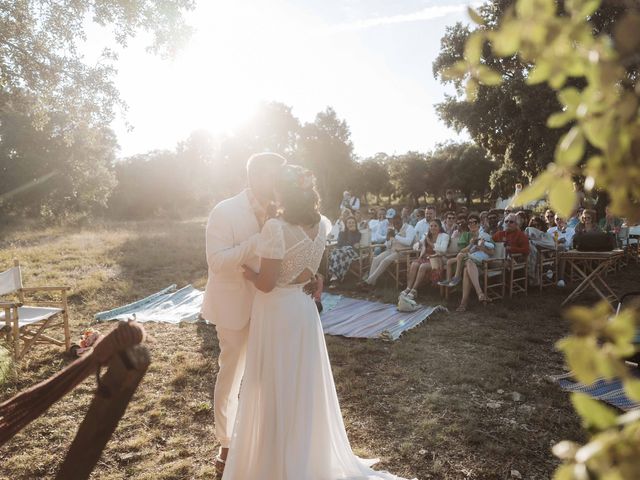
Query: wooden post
{"points": [[117, 386]]}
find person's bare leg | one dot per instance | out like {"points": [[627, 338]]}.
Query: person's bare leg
{"points": [[466, 291], [450, 263], [422, 272], [459, 262], [474, 276], [413, 272]]}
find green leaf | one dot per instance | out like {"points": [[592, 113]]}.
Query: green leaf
{"points": [[579, 353], [570, 97], [473, 48], [589, 7], [455, 71], [632, 388], [488, 77], [597, 132], [475, 16], [594, 413], [505, 42], [564, 472], [539, 73], [562, 197], [535, 190], [559, 119], [471, 89], [570, 149]]}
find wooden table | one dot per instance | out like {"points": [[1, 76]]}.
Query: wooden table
{"points": [[591, 266]]}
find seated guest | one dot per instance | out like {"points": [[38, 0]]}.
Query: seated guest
{"points": [[399, 237], [416, 216], [493, 222], [609, 223], [345, 252], [574, 220], [435, 244], [471, 277], [379, 232], [405, 213], [362, 220], [459, 238], [422, 227], [538, 223], [563, 237], [449, 225], [341, 222], [587, 222], [449, 203], [430, 213], [515, 240], [550, 218], [522, 218], [377, 216], [479, 246], [484, 223], [463, 210]]}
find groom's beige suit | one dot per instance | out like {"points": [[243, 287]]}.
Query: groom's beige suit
{"points": [[232, 235]]}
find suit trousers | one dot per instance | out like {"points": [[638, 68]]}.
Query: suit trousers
{"points": [[380, 263], [231, 362]]}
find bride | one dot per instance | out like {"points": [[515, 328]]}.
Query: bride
{"points": [[289, 425]]}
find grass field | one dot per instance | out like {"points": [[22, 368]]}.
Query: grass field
{"points": [[463, 396]]}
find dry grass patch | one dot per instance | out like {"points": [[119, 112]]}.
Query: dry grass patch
{"points": [[437, 404]]}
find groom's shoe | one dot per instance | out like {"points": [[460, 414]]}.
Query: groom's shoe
{"points": [[221, 460]]}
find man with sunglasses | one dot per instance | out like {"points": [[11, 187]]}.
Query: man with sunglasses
{"points": [[449, 224], [493, 222], [550, 218], [515, 240]]}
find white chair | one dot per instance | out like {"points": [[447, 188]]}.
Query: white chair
{"points": [[31, 324]]}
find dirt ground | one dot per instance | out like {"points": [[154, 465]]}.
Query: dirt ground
{"points": [[462, 396]]}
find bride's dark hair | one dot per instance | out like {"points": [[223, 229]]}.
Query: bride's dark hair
{"points": [[299, 199]]}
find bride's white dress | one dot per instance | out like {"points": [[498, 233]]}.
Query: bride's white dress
{"points": [[289, 425]]}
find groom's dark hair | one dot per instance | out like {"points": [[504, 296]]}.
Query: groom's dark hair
{"points": [[259, 161]]}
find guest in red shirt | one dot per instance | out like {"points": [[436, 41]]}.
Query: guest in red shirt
{"points": [[515, 240]]}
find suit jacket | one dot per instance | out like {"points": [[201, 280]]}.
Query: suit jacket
{"points": [[232, 235]]}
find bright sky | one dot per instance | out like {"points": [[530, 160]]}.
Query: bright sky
{"points": [[368, 59]]}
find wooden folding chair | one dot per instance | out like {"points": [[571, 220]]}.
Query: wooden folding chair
{"points": [[34, 323], [361, 265], [494, 278], [547, 261], [518, 271]]}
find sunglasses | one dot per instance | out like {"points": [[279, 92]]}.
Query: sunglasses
{"points": [[451, 218], [473, 222]]}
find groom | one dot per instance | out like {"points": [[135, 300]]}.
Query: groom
{"points": [[233, 231]]}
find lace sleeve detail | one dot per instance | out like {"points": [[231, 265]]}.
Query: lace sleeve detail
{"points": [[271, 244]]}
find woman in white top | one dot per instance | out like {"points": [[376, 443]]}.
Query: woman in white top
{"points": [[434, 247], [289, 425]]}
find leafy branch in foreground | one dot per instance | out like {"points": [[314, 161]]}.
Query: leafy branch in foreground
{"points": [[602, 144]]}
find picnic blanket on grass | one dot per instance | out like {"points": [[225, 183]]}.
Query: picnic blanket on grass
{"points": [[169, 305], [611, 392], [352, 317], [349, 317]]}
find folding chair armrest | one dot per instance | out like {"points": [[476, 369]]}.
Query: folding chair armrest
{"points": [[10, 304], [45, 289]]}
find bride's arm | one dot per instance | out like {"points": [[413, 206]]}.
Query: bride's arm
{"points": [[264, 281]]}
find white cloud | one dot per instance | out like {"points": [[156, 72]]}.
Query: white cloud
{"points": [[428, 13]]}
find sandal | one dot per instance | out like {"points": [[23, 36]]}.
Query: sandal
{"points": [[482, 298]]}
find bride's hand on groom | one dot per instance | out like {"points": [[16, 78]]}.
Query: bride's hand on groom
{"points": [[249, 274]]}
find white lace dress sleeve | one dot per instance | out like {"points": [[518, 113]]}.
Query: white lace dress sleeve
{"points": [[271, 244]]}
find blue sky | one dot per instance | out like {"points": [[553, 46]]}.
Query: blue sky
{"points": [[368, 59]]}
